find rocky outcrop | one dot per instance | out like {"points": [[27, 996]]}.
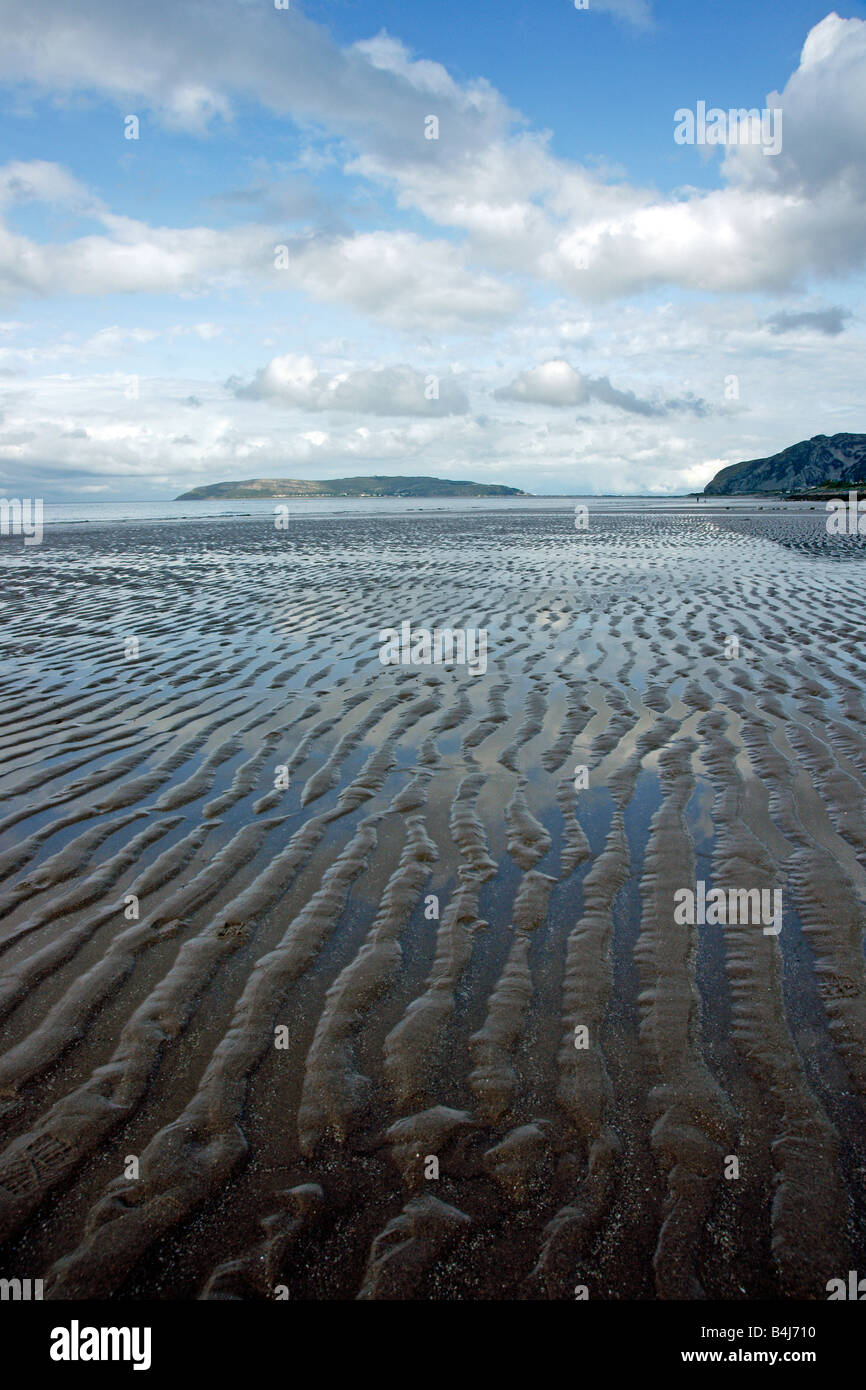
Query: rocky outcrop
{"points": [[837, 458]]}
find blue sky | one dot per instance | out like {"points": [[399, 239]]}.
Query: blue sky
{"points": [[553, 293], [586, 85]]}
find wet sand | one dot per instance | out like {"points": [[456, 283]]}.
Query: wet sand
{"points": [[287, 1033]]}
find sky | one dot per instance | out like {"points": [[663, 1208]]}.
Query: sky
{"points": [[462, 240]]}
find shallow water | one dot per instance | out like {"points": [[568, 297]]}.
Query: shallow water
{"points": [[308, 906]]}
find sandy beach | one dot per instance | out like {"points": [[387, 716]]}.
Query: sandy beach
{"points": [[323, 978]]}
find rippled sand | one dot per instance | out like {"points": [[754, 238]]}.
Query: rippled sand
{"points": [[305, 1168]]}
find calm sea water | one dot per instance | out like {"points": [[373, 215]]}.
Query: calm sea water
{"points": [[84, 513]]}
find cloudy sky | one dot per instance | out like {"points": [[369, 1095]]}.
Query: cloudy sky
{"points": [[285, 275]]}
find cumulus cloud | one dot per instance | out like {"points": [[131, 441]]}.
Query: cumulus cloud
{"points": [[402, 278], [494, 214], [557, 383], [193, 64], [551, 383], [523, 210], [397, 276], [777, 219], [824, 125], [129, 257], [295, 381]]}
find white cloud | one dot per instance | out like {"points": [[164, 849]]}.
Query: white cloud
{"points": [[397, 276], [824, 122], [401, 278], [294, 381], [778, 219], [523, 210], [65, 432], [508, 226], [42, 181], [552, 383], [557, 383], [194, 63]]}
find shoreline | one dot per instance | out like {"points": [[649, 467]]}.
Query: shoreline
{"points": [[365, 509]]}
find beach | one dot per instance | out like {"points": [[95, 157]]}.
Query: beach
{"points": [[326, 978]]}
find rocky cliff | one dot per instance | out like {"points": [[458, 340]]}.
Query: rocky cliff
{"points": [[837, 458]]}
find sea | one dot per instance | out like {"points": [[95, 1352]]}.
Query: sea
{"points": [[85, 513]]}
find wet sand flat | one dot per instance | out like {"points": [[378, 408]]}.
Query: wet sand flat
{"points": [[321, 978]]}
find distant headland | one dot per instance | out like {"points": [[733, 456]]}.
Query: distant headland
{"points": [[813, 468], [277, 488]]}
